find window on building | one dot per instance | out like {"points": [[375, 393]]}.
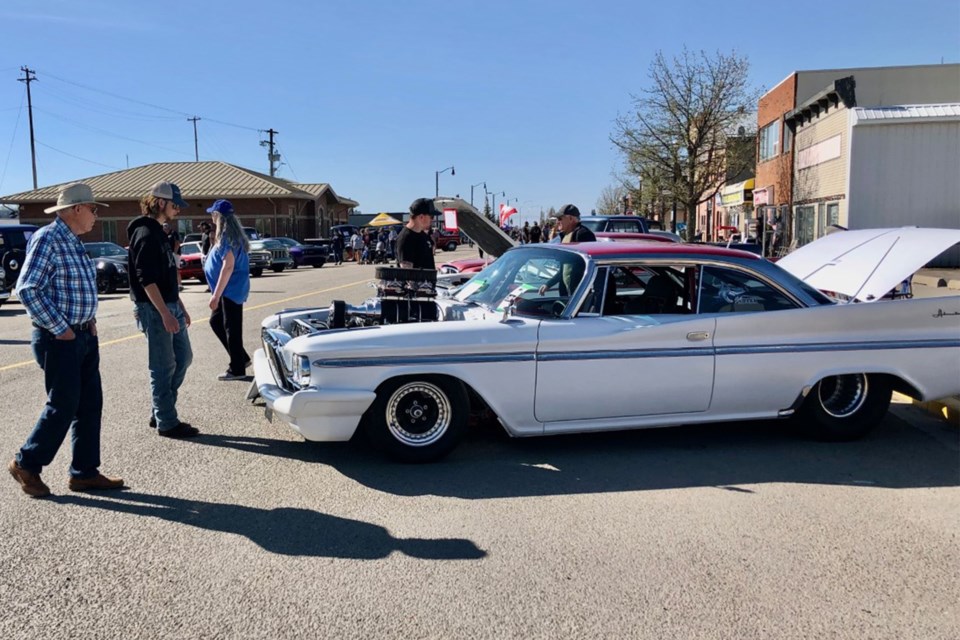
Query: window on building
{"points": [[769, 139], [263, 226], [110, 231], [787, 139], [806, 220], [833, 213]]}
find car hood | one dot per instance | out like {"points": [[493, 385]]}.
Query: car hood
{"points": [[481, 230], [865, 264], [116, 259]]}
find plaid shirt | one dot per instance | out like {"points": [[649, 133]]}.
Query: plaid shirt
{"points": [[58, 283]]}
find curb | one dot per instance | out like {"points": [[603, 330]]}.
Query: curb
{"points": [[931, 281], [947, 409]]}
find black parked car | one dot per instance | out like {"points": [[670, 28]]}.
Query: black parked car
{"points": [[615, 224], [304, 254], [111, 261], [13, 250]]}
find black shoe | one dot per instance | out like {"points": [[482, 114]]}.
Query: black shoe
{"points": [[182, 430], [229, 375], [153, 422]]}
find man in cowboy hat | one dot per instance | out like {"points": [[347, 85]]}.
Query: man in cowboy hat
{"points": [[58, 288]]}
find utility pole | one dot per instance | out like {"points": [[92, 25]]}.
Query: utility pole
{"points": [[196, 152], [271, 155], [33, 149]]}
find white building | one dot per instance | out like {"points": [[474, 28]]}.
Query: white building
{"points": [[863, 167]]}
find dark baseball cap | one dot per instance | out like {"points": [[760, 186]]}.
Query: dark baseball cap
{"points": [[567, 210], [423, 207]]}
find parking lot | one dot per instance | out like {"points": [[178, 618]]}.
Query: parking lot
{"points": [[722, 531]]}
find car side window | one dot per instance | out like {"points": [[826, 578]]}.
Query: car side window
{"points": [[641, 290], [725, 290]]}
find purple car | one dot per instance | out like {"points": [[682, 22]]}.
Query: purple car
{"points": [[305, 254]]}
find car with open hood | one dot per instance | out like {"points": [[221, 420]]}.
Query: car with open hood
{"points": [[13, 251], [568, 338]]}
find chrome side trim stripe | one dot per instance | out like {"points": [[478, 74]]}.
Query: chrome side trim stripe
{"points": [[419, 360], [837, 346], [559, 356], [625, 355]]}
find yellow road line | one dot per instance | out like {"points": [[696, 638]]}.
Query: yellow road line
{"points": [[17, 365]]}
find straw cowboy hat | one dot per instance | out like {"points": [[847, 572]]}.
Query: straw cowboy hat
{"points": [[72, 195]]}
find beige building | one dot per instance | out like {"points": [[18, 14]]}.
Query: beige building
{"points": [[272, 205], [874, 167]]}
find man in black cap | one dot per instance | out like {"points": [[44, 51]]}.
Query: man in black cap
{"points": [[570, 273], [568, 224], [413, 243]]}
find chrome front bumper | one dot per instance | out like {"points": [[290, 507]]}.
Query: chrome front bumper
{"points": [[323, 415]]}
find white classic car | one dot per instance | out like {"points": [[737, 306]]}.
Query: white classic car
{"points": [[599, 336]]}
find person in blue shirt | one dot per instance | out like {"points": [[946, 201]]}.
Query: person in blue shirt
{"points": [[227, 268], [58, 288]]}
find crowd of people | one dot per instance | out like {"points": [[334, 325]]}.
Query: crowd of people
{"points": [[58, 289]]}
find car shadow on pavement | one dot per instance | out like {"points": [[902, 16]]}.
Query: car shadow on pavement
{"points": [[285, 531], [11, 312], [726, 456], [13, 342]]}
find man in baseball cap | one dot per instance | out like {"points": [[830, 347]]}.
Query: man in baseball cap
{"points": [[169, 191], [568, 224], [161, 315]]}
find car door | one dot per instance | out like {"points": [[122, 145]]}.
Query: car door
{"points": [[622, 361], [756, 322]]}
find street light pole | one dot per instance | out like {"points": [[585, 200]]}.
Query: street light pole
{"points": [[436, 177], [493, 206], [476, 185]]}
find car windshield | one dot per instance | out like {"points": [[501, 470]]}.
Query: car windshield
{"points": [[593, 225], [288, 242], [519, 277], [266, 244], [189, 249], [104, 249]]}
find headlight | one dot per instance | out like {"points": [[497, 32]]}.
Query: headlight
{"points": [[121, 268], [301, 371]]}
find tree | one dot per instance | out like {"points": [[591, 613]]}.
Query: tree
{"points": [[610, 201], [677, 133]]}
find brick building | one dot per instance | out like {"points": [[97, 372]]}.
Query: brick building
{"points": [[272, 205], [875, 87]]}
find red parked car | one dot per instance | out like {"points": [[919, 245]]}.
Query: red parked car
{"points": [[191, 264]]}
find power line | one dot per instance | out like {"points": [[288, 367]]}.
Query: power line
{"points": [[97, 107], [108, 166], [16, 125], [109, 133], [114, 95]]}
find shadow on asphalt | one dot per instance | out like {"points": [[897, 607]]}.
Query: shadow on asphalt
{"points": [[488, 464], [13, 342], [285, 531], [6, 312]]}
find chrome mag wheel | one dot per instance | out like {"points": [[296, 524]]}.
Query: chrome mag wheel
{"points": [[418, 414], [842, 396]]}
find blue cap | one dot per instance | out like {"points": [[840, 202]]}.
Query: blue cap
{"points": [[223, 207], [168, 191]]}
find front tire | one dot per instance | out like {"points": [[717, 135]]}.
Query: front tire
{"points": [[845, 407], [418, 419], [256, 273], [278, 269]]}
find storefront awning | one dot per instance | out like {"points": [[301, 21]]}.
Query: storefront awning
{"points": [[737, 194]]}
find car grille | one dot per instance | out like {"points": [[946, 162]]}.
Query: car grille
{"points": [[271, 347], [279, 254]]}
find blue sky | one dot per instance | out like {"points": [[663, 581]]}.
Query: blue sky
{"points": [[375, 96]]}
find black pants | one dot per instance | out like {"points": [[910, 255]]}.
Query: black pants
{"points": [[227, 323]]}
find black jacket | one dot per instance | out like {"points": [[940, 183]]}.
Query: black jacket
{"points": [[150, 260], [581, 234]]}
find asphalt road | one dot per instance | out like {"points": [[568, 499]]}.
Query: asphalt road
{"points": [[727, 531]]}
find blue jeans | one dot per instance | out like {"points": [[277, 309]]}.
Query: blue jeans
{"points": [[71, 376], [168, 356]]}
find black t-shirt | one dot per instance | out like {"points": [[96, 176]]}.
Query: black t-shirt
{"points": [[415, 247]]}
